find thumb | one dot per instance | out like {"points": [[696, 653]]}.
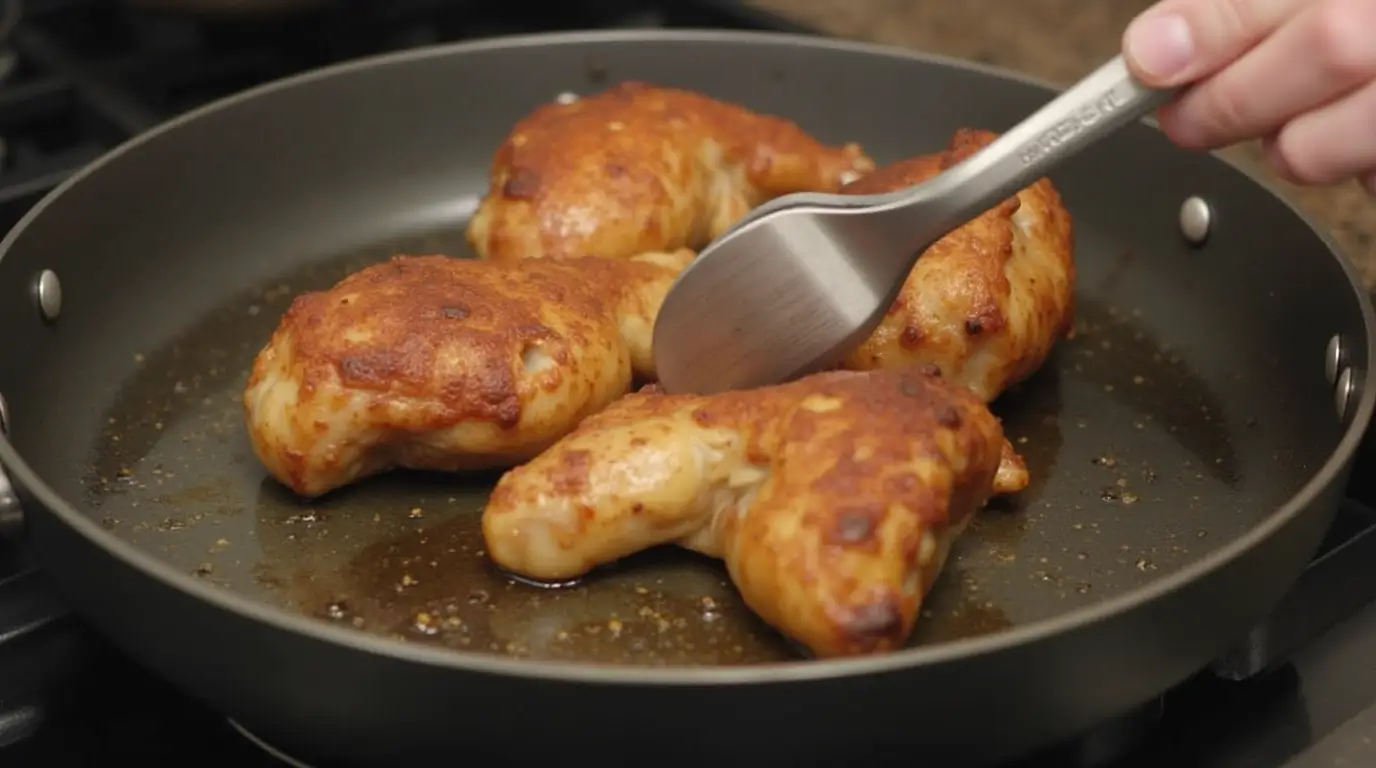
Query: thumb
{"points": [[1179, 41]]}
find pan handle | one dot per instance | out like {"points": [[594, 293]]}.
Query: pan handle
{"points": [[11, 512]]}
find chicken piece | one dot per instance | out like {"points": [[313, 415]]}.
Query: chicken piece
{"points": [[833, 499], [987, 302], [639, 168], [428, 362]]}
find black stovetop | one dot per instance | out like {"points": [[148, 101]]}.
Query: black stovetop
{"points": [[79, 77]]}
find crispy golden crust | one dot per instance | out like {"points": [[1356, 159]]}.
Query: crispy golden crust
{"points": [[987, 302], [638, 168], [429, 362], [833, 499]]}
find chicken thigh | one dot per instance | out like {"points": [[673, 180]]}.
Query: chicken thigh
{"points": [[987, 302], [833, 499], [428, 362], [640, 168]]}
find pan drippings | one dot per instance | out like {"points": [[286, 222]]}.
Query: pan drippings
{"points": [[1134, 475]]}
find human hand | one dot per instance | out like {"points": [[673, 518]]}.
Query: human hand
{"points": [[1298, 74]]}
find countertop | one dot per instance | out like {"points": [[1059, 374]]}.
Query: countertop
{"points": [[1059, 41]]}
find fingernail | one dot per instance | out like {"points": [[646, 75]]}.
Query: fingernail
{"points": [[1160, 44]]}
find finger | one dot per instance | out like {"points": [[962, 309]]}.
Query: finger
{"points": [[1179, 41], [1332, 143], [1322, 53], [1369, 184], [1274, 159]]}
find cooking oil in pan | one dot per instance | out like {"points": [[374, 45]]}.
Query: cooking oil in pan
{"points": [[1133, 467]]}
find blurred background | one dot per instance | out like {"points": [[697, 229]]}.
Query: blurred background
{"points": [[1055, 40]]}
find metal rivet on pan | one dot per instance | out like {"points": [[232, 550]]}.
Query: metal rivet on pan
{"points": [[1195, 219], [1333, 358], [4, 416], [47, 289], [1344, 389]]}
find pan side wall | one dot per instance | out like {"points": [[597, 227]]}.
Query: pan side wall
{"points": [[337, 705]]}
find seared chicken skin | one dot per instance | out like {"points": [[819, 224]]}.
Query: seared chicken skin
{"points": [[987, 302], [639, 168], [428, 362], [833, 499]]}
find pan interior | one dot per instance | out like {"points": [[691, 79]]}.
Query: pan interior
{"points": [[1136, 465], [1185, 410]]}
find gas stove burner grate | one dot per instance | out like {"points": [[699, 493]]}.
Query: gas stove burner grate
{"points": [[266, 748], [11, 12], [1108, 744]]}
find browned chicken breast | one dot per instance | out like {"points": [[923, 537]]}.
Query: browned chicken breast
{"points": [[428, 362], [833, 500], [987, 302], [638, 168]]}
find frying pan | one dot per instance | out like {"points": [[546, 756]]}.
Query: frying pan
{"points": [[1189, 444]]}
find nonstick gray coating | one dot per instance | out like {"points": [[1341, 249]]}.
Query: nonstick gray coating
{"points": [[1136, 462], [1190, 406]]}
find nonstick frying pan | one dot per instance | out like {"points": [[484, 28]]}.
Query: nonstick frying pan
{"points": [[1186, 447]]}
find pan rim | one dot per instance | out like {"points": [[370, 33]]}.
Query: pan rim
{"points": [[281, 619]]}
